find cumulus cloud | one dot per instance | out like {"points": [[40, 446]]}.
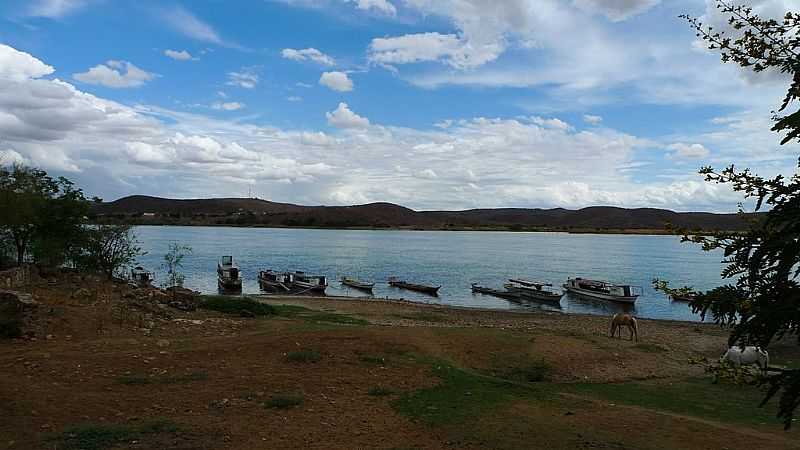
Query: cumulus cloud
{"points": [[227, 106], [54, 9], [616, 10], [19, 66], [688, 151], [448, 48], [383, 6], [182, 55], [310, 54], [9, 157], [338, 81], [115, 74], [592, 119], [343, 117], [246, 78]]}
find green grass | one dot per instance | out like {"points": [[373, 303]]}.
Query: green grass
{"points": [[304, 356], [651, 348], [422, 317], [461, 396], [283, 401], [235, 305], [372, 359], [379, 391], [530, 372], [694, 397], [103, 436], [334, 318], [133, 380]]}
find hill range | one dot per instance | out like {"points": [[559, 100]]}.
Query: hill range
{"points": [[139, 209]]}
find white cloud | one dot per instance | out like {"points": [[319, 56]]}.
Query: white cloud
{"points": [[343, 117], [19, 66], [115, 74], [383, 6], [190, 26], [311, 54], [182, 55], [316, 138], [9, 157], [616, 10], [54, 9], [227, 106], [247, 79], [294, 98], [303, 85], [448, 48], [592, 119], [427, 174], [338, 81], [688, 151]]}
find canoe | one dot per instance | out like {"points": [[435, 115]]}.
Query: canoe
{"points": [[430, 290], [357, 284]]}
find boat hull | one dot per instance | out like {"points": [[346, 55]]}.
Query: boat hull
{"points": [[430, 290], [229, 285], [535, 295], [600, 295], [363, 286], [494, 292]]}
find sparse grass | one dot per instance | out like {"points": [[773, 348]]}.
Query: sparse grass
{"points": [[461, 396], [379, 391], [651, 348], [422, 317], [304, 356], [531, 372], [283, 401], [693, 397], [235, 305], [104, 436], [372, 359], [133, 380], [289, 310], [334, 318]]}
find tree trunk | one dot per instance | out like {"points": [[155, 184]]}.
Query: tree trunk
{"points": [[21, 245]]}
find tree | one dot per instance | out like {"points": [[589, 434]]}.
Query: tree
{"points": [[761, 303], [109, 249], [173, 263]]}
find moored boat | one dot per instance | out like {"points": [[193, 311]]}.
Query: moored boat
{"points": [[495, 292], [533, 290], [603, 290], [683, 297], [354, 283], [303, 283], [228, 279], [272, 281], [141, 277], [425, 289]]}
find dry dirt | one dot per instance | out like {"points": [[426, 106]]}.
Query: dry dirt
{"points": [[97, 361]]}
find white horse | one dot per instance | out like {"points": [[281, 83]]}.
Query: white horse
{"points": [[624, 320], [749, 355]]}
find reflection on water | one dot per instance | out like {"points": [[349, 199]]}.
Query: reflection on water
{"points": [[451, 259]]}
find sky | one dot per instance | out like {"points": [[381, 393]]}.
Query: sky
{"points": [[432, 104]]}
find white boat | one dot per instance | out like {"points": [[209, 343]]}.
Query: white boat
{"points": [[228, 278], [312, 284], [603, 290], [533, 290]]}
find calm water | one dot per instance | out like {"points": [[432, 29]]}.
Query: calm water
{"points": [[448, 258]]}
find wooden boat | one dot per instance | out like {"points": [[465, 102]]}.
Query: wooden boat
{"points": [[533, 290], [603, 290], [684, 297], [495, 292], [228, 278], [141, 277], [430, 290], [352, 282], [303, 283], [272, 281]]}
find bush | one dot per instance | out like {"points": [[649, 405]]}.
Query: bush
{"points": [[235, 305], [379, 391], [283, 401], [304, 356]]}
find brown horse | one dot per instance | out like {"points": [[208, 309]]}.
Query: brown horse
{"points": [[624, 320]]}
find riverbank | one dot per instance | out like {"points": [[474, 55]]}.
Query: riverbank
{"points": [[102, 366]]}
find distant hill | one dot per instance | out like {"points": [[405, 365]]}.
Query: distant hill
{"points": [[139, 209]]}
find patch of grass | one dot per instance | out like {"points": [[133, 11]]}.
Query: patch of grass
{"points": [[289, 310], [372, 359], [422, 317], [651, 348], [461, 396], [304, 356], [283, 401], [379, 391], [133, 380], [103, 436], [693, 397], [532, 372], [235, 305], [334, 318]]}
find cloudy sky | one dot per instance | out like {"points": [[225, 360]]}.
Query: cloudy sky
{"points": [[433, 104]]}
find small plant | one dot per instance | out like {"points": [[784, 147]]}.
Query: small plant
{"points": [[379, 391], [304, 356], [371, 359], [235, 305], [283, 401], [103, 436]]}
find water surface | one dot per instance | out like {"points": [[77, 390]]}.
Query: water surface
{"points": [[452, 259]]}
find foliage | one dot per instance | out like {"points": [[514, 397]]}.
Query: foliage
{"points": [[283, 401], [109, 249], [173, 263], [105, 436], [761, 303], [304, 356], [42, 212], [379, 391]]}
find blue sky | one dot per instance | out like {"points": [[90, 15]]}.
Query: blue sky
{"points": [[444, 104]]}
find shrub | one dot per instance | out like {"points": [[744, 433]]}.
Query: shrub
{"points": [[283, 401], [304, 356], [235, 305]]}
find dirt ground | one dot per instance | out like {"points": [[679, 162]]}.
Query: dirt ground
{"points": [[97, 371]]}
